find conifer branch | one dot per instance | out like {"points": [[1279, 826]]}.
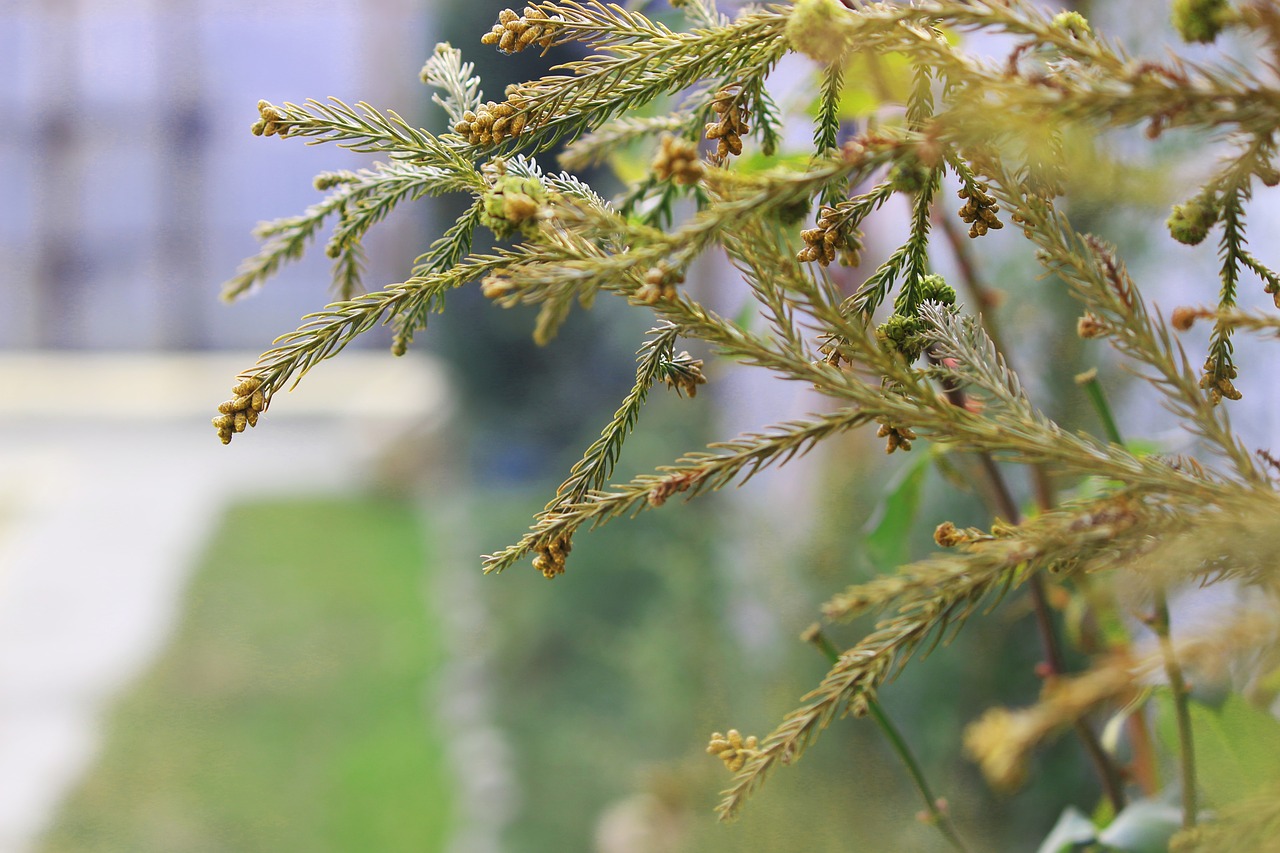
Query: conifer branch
{"points": [[595, 147], [325, 333], [940, 595], [1104, 286], [645, 62], [445, 253], [446, 71], [284, 240], [1003, 128], [692, 474], [365, 129]]}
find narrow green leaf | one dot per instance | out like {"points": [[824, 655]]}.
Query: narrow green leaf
{"points": [[1237, 746], [890, 525]]}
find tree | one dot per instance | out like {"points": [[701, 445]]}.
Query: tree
{"points": [[898, 350]]}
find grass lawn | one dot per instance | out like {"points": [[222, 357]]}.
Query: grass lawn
{"points": [[291, 710]]}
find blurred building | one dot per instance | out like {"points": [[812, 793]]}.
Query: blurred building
{"points": [[130, 179], [129, 187]]}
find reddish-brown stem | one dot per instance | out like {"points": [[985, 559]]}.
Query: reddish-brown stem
{"points": [[1004, 503]]}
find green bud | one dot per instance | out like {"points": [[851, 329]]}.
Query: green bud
{"points": [[934, 288], [511, 205], [902, 334], [909, 176], [792, 213], [1201, 20], [1190, 223], [329, 180]]}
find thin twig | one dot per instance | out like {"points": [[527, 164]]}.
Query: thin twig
{"points": [[934, 805], [1106, 770], [986, 301], [1093, 389], [1160, 624], [1181, 706], [1108, 774]]}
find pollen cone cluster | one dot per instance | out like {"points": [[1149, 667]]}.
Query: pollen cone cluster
{"points": [[979, 210], [551, 557], [897, 437], [240, 411], [494, 122], [729, 129], [733, 749], [270, 121], [659, 285], [513, 33], [684, 374], [829, 235], [1217, 381], [678, 162]]}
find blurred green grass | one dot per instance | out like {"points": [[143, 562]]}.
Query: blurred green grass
{"points": [[290, 712], [614, 676]]}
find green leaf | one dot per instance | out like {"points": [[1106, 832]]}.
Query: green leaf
{"points": [[747, 317], [869, 82], [629, 164], [887, 531], [1237, 746], [756, 162]]}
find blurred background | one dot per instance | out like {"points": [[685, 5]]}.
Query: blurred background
{"points": [[286, 644]]}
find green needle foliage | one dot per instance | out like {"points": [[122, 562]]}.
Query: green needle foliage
{"points": [[1002, 134]]}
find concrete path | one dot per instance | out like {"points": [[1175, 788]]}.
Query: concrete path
{"points": [[111, 479]]}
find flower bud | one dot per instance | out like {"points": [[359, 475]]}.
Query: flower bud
{"points": [[1190, 223], [934, 288], [1201, 20]]}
